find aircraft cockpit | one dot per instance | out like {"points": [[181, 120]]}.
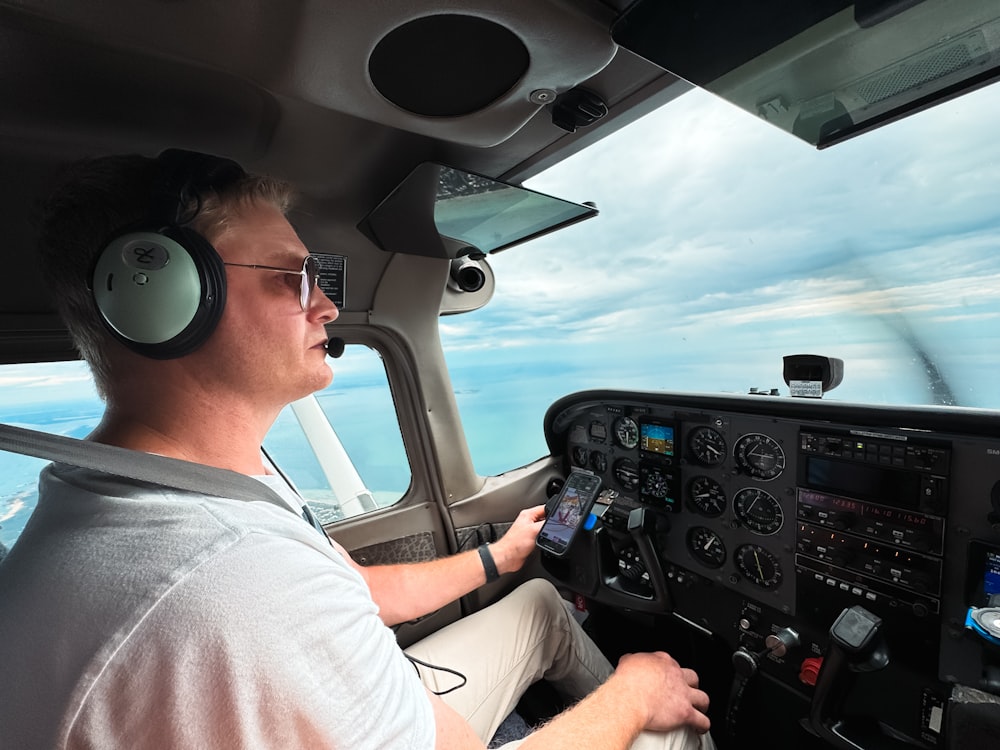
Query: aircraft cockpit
{"points": [[716, 285]]}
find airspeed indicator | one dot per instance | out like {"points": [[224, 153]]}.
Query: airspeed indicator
{"points": [[707, 445]]}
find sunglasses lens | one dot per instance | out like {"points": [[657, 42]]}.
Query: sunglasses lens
{"points": [[310, 278]]}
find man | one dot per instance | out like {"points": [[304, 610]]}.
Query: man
{"points": [[143, 617]]}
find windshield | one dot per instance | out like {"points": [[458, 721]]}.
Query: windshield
{"points": [[724, 244]]}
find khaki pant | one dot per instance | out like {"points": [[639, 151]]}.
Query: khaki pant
{"points": [[526, 636]]}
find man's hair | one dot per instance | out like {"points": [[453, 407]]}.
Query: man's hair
{"points": [[97, 199]]}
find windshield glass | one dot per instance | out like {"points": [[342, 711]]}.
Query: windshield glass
{"points": [[724, 244]]}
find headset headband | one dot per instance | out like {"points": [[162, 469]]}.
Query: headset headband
{"points": [[185, 176]]}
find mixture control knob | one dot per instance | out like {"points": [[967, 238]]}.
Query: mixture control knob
{"points": [[809, 670]]}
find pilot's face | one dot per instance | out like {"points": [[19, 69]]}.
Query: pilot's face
{"points": [[266, 345]]}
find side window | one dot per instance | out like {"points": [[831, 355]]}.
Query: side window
{"points": [[56, 397], [342, 447]]}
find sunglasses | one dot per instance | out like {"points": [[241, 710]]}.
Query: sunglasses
{"points": [[309, 276]]}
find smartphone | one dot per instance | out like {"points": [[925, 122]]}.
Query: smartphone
{"points": [[569, 512]]}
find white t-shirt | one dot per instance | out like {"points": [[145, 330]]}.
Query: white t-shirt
{"points": [[135, 616]]}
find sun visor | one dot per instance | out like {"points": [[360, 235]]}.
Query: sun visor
{"points": [[826, 70], [443, 212]]}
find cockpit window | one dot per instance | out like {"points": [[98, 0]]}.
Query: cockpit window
{"points": [[342, 447], [723, 245], [57, 397], [354, 468], [823, 71]]}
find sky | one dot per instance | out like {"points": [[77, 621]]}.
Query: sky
{"points": [[724, 244]]}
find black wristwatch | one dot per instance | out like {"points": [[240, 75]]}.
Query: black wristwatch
{"points": [[492, 574]]}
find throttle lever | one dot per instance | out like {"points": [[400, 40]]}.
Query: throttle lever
{"points": [[857, 645], [641, 524]]}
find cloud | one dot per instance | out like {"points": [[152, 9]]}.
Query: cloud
{"points": [[719, 233]]}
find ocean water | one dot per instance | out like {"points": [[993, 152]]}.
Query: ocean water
{"points": [[19, 474], [503, 425], [503, 420]]}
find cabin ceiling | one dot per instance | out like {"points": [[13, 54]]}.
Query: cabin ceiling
{"points": [[343, 99]]}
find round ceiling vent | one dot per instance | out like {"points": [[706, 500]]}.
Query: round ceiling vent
{"points": [[447, 65]]}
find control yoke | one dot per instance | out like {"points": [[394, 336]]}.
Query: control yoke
{"points": [[857, 645], [641, 526]]}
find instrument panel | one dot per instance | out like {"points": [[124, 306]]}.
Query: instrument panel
{"points": [[744, 516]]}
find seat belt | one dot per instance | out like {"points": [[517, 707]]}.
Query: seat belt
{"points": [[145, 467]]}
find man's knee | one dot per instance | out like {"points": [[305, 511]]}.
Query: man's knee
{"points": [[539, 592], [540, 596]]}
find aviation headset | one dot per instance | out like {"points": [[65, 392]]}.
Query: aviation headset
{"points": [[160, 286]]}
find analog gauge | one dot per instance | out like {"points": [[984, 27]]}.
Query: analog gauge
{"points": [[707, 496], [758, 510], [707, 445], [627, 474], [580, 456], [758, 566], [627, 432], [598, 462], [706, 546], [655, 482], [759, 456]]}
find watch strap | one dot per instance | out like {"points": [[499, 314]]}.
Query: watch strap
{"points": [[489, 565]]}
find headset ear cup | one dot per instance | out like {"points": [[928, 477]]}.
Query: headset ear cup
{"points": [[160, 293]]}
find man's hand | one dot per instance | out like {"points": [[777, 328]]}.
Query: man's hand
{"points": [[510, 552], [647, 692], [670, 691]]}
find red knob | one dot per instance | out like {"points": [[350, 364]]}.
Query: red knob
{"points": [[810, 669]]}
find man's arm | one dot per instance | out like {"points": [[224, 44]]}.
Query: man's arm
{"points": [[647, 692], [407, 591]]}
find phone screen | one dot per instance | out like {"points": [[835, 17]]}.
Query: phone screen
{"points": [[572, 507]]}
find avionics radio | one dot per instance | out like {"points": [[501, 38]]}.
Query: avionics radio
{"points": [[871, 516]]}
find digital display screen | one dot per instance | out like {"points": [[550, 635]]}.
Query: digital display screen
{"points": [[982, 575], [656, 438], [900, 489], [991, 574]]}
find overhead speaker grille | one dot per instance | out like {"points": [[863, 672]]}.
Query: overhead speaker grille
{"points": [[909, 77], [447, 65], [923, 68]]}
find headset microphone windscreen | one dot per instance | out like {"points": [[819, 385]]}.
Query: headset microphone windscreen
{"points": [[335, 347]]}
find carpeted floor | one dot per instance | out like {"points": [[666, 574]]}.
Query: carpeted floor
{"points": [[512, 728]]}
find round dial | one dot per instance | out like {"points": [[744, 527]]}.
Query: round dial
{"points": [[627, 474], [758, 566], [627, 432], [759, 456], [707, 445], [598, 462], [707, 496], [758, 510], [706, 546], [580, 456], [655, 483]]}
